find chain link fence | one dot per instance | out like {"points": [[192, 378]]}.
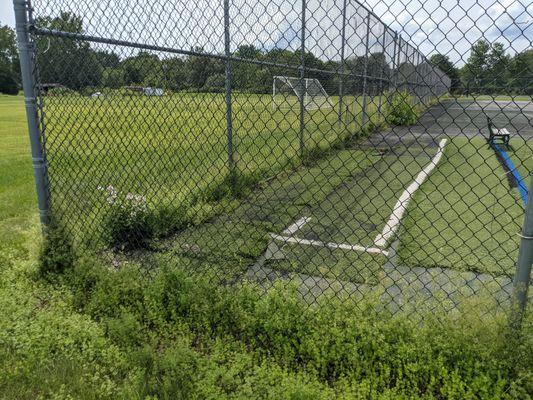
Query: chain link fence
{"points": [[304, 142]]}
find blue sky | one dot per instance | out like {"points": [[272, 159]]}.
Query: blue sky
{"points": [[6, 13], [445, 26]]}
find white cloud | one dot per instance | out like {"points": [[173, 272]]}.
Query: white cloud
{"points": [[445, 26]]}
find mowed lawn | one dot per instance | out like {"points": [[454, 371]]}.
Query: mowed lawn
{"points": [[465, 216], [18, 206], [172, 149]]}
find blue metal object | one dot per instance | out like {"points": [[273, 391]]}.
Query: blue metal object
{"points": [[522, 187]]}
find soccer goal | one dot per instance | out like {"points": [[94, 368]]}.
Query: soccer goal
{"points": [[287, 92]]}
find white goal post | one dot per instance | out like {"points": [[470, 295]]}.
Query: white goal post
{"points": [[287, 92]]}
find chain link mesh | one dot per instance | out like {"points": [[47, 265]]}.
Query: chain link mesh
{"points": [[164, 140]]}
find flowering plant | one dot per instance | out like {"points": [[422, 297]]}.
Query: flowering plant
{"points": [[128, 219]]}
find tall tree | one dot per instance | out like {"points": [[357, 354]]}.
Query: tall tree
{"points": [[200, 68], [72, 63], [497, 69], [474, 73], [521, 73], [9, 61], [246, 75], [443, 62], [139, 67], [175, 75]]}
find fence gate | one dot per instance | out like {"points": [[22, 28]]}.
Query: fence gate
{"points": [[340, 146]]}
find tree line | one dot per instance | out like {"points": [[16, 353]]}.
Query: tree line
{"points": [[78, 66], [489, 70]]}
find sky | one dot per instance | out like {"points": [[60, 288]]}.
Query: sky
{"points": [[445, 26], [6, 13]]}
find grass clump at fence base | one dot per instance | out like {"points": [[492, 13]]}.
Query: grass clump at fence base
{"points": [[57, 251], [130, 222], [401, 110], [186, 338]]}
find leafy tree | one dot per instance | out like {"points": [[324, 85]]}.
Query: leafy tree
{"points": [[247, 75], [137, 68], [355, 66], [443, 62], [521, 73], [497, 74], [200, 68], [377, 66], [490, 70], [474, 73], [9, 61], [113, 77], [8, 85], [107, 59], [69, 62], [175, 74], [214, 83]]}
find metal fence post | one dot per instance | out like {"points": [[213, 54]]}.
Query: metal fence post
{"points": [[228, 79], [392, 75], [382, 67], [399, 57], [523, 267], [416, 63], [343, 39], [302, 77], [365, 71], [27, 68]]}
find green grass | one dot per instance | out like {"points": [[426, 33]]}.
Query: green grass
{"points": [[97, 333], [18, 204], [173, 149], [354, 213], [349, 195], [464, 216], [496, 97], [227, 245], [521, 154]]}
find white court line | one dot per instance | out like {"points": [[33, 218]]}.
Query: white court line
{"points": [[318, 243], [291, 229], [401, 205]]}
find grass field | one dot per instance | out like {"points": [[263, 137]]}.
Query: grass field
{"points": [[173, 149], [464, 217], [18, 206], [496, 97]]}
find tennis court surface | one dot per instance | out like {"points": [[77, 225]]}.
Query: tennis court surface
{"points": [[423, 212]]}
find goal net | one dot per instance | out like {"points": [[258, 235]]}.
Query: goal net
{"points": [[287, 92]]}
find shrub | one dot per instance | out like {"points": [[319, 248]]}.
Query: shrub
{"points": [[400, 110], [169, 219], [128, 221], [57, 252], [358, 349]]}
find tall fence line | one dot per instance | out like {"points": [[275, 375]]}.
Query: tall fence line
{"points": [[221, 176], [422, 83]]}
